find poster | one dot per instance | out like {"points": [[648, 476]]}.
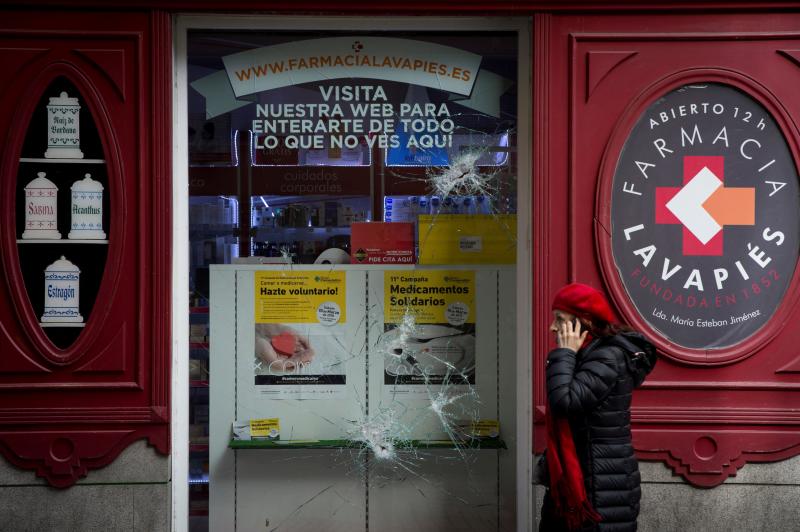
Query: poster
{"points": [[429, 329], [299, 318]]}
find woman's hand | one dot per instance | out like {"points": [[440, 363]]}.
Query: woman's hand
{"points": [[569, 335]]}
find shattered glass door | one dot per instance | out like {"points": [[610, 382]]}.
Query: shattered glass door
{"points": [[363, 330]]}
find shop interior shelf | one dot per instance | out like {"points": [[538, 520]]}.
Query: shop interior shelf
{"points": [[198, 230], [348, 444], [199, 384], [201, 479], [59, 241], [61, 161], [198, 310], [339, 229], [55, 324]]}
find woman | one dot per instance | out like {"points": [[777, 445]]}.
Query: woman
{"points": [[593, 473]]}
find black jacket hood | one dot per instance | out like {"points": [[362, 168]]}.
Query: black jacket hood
{"points": [[642, 354]]}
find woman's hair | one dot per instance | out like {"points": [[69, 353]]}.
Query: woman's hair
{"points": [[599, 328]]}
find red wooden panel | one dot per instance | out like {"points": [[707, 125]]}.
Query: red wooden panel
{"points": [[65, 411], [704, 412]]}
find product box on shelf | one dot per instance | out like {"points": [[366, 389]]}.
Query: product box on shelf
{"points": [[382, 243], [468, 239]]}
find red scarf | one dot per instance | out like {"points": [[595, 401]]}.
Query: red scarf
{"points": [[566, 477]]}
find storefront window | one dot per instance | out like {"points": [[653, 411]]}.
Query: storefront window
{"points": [[353, 250]]}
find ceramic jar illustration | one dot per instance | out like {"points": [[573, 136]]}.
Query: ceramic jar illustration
{"points": [[61, 293], [63, 128], [41, 213], [87, 210]]}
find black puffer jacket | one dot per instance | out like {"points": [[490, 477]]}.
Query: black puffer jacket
{"points": [[593, 390]]}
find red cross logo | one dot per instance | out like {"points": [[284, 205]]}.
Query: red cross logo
{"points": [[704, 206]]}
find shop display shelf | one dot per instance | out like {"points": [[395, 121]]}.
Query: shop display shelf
{"points": [[198, 479], [201, 230], [314, 229], [198, 345], [198, 384], [198, 310], [353, 444], [60, 241], [61, 161]]}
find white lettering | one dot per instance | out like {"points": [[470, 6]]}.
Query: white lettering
{"points": [[720, 274], [666, 273], [643, 167], [775, 187], [629, 190], [695, 134], [694, 280], [723, 134], [758, 257], [633, 229], [748, 141], [769, 237], [660, 145], [646, 253], [741, 270]]}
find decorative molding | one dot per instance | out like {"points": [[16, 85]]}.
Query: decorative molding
{"points": [[121, 360], [685, 385], [673, 415], [63, 457], [39, 82], [49, 416], [159, 134], [417, 8], [707, 457], [599, 63], [21, 364], [14, 59], [708, 36], [112, 358], [541, 192], [791, 55], [792, 367], [111, 63], [59, 457]]}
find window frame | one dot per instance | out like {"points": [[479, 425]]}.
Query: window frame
{"points": [[182, 24]]}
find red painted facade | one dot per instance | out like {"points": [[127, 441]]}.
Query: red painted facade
{"points": [[704, 413], [596, 66], [65, 411]]}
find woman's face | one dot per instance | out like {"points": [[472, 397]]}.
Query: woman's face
{"points": [[560, 318]]}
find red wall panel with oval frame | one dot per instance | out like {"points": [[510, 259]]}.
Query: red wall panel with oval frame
{"points": [[70, 402], [715, 401]]}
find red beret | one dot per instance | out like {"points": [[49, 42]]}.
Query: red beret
{"points": [[583, 300]]}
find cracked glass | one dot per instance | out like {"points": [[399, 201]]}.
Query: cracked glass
{"points": [[353, 242]]}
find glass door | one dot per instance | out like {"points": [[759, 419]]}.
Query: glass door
{"points": [[352, 278]]}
